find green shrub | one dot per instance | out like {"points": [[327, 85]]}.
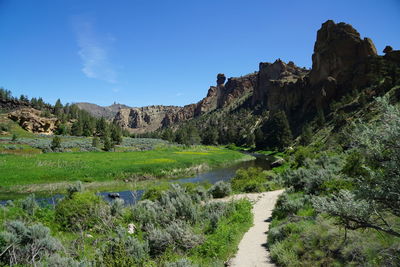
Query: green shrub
{"points": [[146, 213], [26, 245], [283, 255], [123, 251], [29, 204], [4, 127], [230, 230], [182, 235], [82, 211], [56, 260], [288, 204], [159, 240], [249, 180], [117, 207], [75, 188], [154, 192], [178, 204], [180, 263], [220, 189]]}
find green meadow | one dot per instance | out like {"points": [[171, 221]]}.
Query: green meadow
{"points": [[108, 166]]}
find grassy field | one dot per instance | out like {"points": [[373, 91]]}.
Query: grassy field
{"points": [[107, 166]]}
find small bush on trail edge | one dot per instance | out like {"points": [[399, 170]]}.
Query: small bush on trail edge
{"points": [[220, 189]]}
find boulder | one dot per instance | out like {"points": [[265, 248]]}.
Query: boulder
{"points": [[278, 162], [131, 228], [113, 195]]}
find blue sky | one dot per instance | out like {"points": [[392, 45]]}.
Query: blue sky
{"points": [[143, 52]]}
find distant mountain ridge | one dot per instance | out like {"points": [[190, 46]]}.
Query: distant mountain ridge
{"points": [[107, 112]]}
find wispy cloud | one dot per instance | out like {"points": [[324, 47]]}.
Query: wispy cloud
{"points": [[179, 94], [93, 52]]}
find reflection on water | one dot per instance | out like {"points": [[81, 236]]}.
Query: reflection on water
{"points": [[213, 176]]}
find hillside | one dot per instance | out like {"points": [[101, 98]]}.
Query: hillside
{"points": [[107, 112]]}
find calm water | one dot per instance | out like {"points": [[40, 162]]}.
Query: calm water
{"points": [[212, 176]]}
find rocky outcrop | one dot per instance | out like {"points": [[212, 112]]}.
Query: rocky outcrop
{"points": [[144, 119], [280, 85], [31, 120], [337, 49], [237, 88], [12, 104], [390, 54]]}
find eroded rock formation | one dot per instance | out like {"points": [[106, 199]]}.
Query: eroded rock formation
{"points": [[31, 120]]}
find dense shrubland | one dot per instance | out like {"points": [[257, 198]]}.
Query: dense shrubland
{"points": [[342, 206], [181, 227]]}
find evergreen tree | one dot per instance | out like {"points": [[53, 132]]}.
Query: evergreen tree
{"points": [[77, 128], [62, 129], [56, 143], [87, 127], [108, 145], [210, 136], [95, 142], [116, 134], [101, 127], [278, 131], [14, 137], [58, 108], [168, 135], [306, 136], [193, 137]]}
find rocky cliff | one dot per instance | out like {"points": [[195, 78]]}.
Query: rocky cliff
{"points": [[342, 61], [223, 95]]}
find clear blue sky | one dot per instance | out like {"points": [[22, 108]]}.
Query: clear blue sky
{"points": [[143, 52]]}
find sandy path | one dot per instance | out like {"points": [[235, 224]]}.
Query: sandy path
{"points": [[252, 251]]}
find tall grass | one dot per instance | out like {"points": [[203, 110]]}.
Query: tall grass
{"points": [[102, 166]]}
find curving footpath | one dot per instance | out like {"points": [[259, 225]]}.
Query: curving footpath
{"points": [[252, 251]]}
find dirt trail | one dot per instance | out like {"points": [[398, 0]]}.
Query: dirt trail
{"points": [[252, 250]]}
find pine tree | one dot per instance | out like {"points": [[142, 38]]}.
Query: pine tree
{"points": [[108, 145], [77, 128], [116, 134], [278, 131], [101, 127], [56, 143], [58, 108]]}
